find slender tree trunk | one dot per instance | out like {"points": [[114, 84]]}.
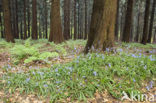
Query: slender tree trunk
{"points": [[16, 21], [55, 23], [21, 30], [146, 21], [154, 39], [117, 21], [128, 21], [138, 27], [25, 24], [86, 21], [75, 21], [67, 19], [46, 18], [7, 22], [151, 22], [102, 30], [1, 25], [28, 13], [34, 20]]}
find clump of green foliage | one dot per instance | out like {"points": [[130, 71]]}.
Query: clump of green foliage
{"points": [[81, 78], [30, 53]]}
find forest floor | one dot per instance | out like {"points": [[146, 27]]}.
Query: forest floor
{"points": [[42, 72]]}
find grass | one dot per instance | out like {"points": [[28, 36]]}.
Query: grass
{"points": [[81, 78]]}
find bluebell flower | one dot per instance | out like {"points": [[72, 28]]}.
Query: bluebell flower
{"points": [[9, 82], [147, 88], [145, 67], [95, 73], [109, 65], [134, 80], [28, 79], [56, 70], [45, 85], [57, 82], [107, 49]]}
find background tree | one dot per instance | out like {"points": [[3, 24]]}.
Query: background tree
{"points": [[146, 21], [7, 22], [151, 22], [128, 22], [34, 19], [55, 24]]}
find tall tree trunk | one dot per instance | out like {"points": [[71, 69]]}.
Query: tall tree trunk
{"points": [[28, 13], [55, 23], [75, 21], [67, 19], [86, 20], [146, 21], [46, 18], [34, 20], [117, 20], [102, 30], [1, 25], [16, 20], [128, 22], [154, 39], [151, 22], [25, 24], [138, 26], [7, 22]]}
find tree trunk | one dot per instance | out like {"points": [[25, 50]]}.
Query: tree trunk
{"points": [[128, 22], [146, 21], [16, 20], [75, 21], [55, 23], [34, 20], [67, 19], [28, 13], [25, 24], [86, 20], [7, 22], [117, 20], [151, 22], [102, 29], [46, 18], [138, 27], [1, 25]]}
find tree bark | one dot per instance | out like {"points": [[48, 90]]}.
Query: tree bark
{"points": [[146, 21], [151, 22], [75, 21], [55, 23], [7, 22], [67, 19], [86, 21], [102, 29], [128, 22], [34, 20], [28, 13], [25, 24], [117, 20]]}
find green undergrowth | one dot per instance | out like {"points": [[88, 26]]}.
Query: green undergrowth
{"points": [[79, 79], [138, 45]]}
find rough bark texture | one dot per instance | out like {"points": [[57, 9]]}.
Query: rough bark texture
{"points": [[46, 18], [28, 13], [16, 21], [55, 23], [75, 21], [146, 21], [86, 20], [67, 19], [128, 21], [117, 20], [25, 24], [102, 29], [138, 27], [34, 20], [151, 22], [7, 22]]}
